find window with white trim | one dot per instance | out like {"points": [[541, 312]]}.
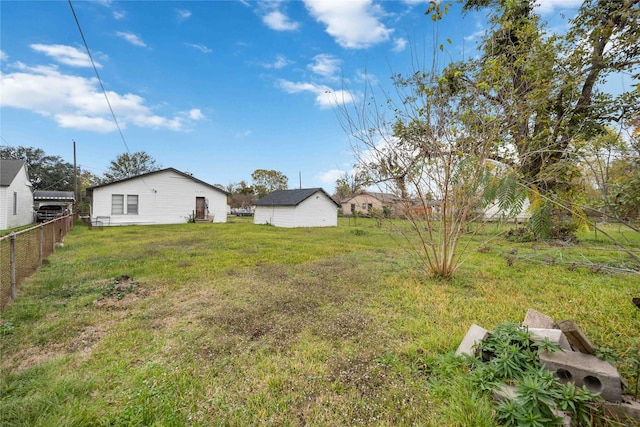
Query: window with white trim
{"points": [[132, 204], [117, 204], [15, 203]]}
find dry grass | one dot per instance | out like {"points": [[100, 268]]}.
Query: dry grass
{"points": [[235, 324]]}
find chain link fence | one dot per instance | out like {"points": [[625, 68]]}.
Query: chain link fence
{"points": [[22, 253]]}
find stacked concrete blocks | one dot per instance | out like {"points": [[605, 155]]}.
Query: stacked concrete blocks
{"points": [[574, 363]]}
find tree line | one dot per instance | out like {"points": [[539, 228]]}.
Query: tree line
{"points": [[529, 118], [50, 172]]}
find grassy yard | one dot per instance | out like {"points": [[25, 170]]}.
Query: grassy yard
{"points": [[237, 324]]}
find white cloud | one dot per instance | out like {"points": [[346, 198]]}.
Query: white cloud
{"points": [[330, 176], [202, 48], [78, 102], [243, 134], [325, 96], [276, 20], [80, 122], [354, 24], [3, 56], [399, 44], [67, 55], [183, 14], [549, 6], [119, 15], [325, 65], [478, 34], [369, 79], [196, 114], [281, 61], [131, 38]]}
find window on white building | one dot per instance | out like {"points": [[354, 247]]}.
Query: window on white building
{"points": [[132, 204], [117, 204]]}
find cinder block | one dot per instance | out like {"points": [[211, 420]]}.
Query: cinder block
{"points": [[474, 336], [556, 336], [576, 337], [629, 409], [508, 392], [535, 319], [585, 369]]}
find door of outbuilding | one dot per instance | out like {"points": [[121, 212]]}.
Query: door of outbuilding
{"points": [[200, 207]]}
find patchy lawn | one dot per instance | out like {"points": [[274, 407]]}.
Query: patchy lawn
{"points": [[237, 324]]}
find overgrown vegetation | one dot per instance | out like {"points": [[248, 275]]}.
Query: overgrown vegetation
{"points": [[235, 324], [510, 356], [530, 113]]}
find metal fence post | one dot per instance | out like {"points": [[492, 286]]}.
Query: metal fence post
{"points": [[40, 246], [12, 245]]}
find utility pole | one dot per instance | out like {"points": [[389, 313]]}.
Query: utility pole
{"points": [[75, 181]]}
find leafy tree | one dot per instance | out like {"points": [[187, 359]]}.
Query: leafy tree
{"points": [[350, 184], [242, 195], [546, 88], [266, 181], [45, 172], [597, 158], [127, 165]]}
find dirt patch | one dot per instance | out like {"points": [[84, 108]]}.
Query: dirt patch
{"points": [[81, 345], [119, 293], [349, 325]]}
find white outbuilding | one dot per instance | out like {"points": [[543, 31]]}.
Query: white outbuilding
{"points": [[305, 207], [166, 196], [16, 194]]}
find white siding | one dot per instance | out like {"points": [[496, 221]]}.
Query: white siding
{"points": [[315, 211], [493, 213], [24, 214], [163, 198]]}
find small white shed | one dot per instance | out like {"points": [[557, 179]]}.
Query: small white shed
{"points": [[16, 195], [305, 207], [167, 196]]}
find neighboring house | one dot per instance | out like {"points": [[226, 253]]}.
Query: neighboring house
{"points": [[494, 213], [16, 195], [48, 197], [306, 207], [363, 203], [167, 196]]}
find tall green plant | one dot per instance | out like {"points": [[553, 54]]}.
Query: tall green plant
{"points": [[509, 355]]}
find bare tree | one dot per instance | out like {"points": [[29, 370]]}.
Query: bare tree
{"points": [[436, 144]]}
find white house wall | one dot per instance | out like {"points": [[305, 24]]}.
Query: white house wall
{"points": [[493, 213], [24, 214], [315, 211], [163, 198], [280, 216]]}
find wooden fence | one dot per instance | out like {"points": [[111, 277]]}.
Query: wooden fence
{"points": [[22, 253]]}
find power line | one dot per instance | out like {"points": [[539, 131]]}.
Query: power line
{"points": [[98, 76]]}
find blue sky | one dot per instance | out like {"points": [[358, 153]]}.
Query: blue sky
{"points": [[214, 88]]}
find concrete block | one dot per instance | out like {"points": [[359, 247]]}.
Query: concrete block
{"points": [[556, 336], [576, 337], [508, 392], [474, 336], [535, 319], [628, 409], [585, 369]]}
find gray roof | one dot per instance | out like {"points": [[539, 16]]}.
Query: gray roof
{"points": [[186, 175], [53, 195], [383, 197], [8, 171], [290, 197]]}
